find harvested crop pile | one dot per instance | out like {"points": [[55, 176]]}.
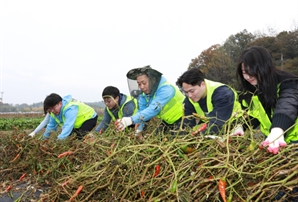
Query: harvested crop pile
{"points": [[117, 166]]}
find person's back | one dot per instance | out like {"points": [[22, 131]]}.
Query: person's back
{"points": [[75, 117]]}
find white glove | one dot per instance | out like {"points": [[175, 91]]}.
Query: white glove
{"points": [[137, 132], [275, 140], [121, 124], [238, 130], [32, 134]]}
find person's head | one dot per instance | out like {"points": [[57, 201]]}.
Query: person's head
{"points": [[111, 96], [255, 67], [256, 72], [192, 84], [147, 79], [53, 103]]}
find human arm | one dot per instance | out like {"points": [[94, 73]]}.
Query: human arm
{"points": [[286, 108], [43, 124], [52, 126], [104, 122], [285, 115], [151, 108], [189, 109], [223, 103], [70, 115]]}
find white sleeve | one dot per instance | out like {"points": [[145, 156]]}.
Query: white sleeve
{"points": [[43, 124]]}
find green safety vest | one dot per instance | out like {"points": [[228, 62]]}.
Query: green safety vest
{"points": [[173, 110], [85, 113], [211, 86], [120, 112], [257, 111]]}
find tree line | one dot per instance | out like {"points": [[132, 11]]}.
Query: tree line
{"points": [[38, 107], [218, 62]]}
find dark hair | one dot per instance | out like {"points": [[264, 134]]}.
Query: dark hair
{"points": [[51, 100], [258, 63], [111, 91], [193, 76]]}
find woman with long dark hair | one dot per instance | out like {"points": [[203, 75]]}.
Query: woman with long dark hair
{"points": [[271, 97]]}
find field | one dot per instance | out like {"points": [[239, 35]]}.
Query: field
{"points": [[118, 166]]}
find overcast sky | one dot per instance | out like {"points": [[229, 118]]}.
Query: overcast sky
{"points": [[79, 47]]}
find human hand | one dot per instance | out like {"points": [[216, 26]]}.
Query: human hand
{"points": [[238, 130], [137, 132], [275, 140], [32, 134], [121, 124]]}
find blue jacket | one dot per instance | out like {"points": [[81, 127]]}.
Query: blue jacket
{"points": [[128, 110], [70, 115], [148, 110]]}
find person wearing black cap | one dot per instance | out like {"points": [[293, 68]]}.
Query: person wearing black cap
{"points": [[118, 105], [156, 98]]}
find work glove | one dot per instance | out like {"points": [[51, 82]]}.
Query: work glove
{"points": [[275, 140], [137, 132], [32, 134], [238, 130], [121, 124]]}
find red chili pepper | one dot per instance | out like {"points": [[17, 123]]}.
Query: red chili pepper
{"points": [[112, 145], [202, 128], [157, 170], [15, 158], [65, 154], [22, 177], [222, 184], [8, 188], [77, 193], [65, 183]]}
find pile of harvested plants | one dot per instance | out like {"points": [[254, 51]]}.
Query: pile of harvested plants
{"points": [[118, 166]]}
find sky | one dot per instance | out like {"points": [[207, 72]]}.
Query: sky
{"points": [[79, 47]]}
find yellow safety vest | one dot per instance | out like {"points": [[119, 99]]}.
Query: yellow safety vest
{"points": [[120, 112], [211, 86], [173, 110], [256, 110], [85, 113]]}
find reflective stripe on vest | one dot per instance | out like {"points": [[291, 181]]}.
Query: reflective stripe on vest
{"points": [[211, 86], [120, 112], [85, 113]]}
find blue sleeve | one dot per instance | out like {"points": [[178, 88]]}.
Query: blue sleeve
{"points": [[104, 122], [70, 115], [52, 126], [148, 110], [223, 103], [43, 124]]}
